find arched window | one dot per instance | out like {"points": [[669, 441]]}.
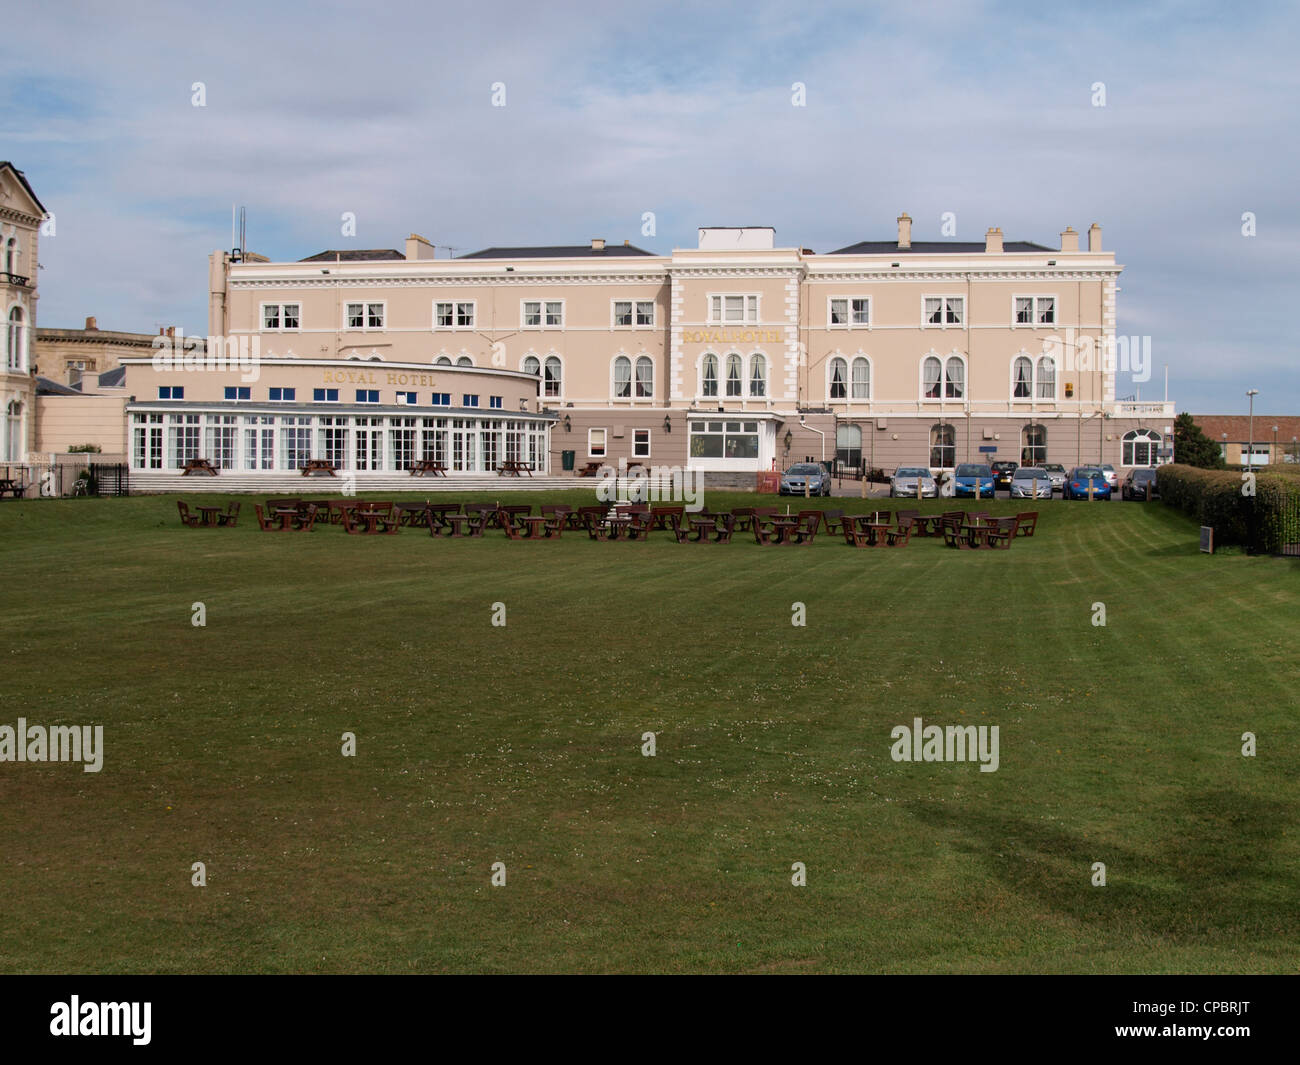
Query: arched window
{"points": [[1022, 378], [1033, 445], [757, 375], [861, 378], [532, 364], [839, 378], [1141, 447], [932, 375], [552, 381], [734, 376], [443, 360], [954, 378], [464, 360], [709, 375], [848, 445], [1046, 377], [645, 378], [17, 341], [943, 445], [622, 377]]}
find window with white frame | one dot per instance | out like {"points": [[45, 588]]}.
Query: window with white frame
{"points": [[365, 315], [17, 341], [944, 311], [861, 382], [542, 314], [442, 360], [849, 311], [735, 376], [533, 365], [733, 309], [943, 378], [709, 375], [1035, 310], [634, 314], [552, 376], [453, 314], [1142, 447], [596, 443], [1046, 383], [622, 377], [1022, 378], [641, 443], [280, 316], [464, 360], [1033, 445], [757, 375], [839, 372], [645, 378]]}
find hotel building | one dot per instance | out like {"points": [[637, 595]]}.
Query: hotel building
{"points": [[21, 215], [732, 357]]}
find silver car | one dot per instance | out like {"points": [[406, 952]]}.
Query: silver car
{"points": [[1112, 478], [1031, 482], [903, 484], [1057, 473]]}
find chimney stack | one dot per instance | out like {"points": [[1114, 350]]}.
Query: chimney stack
{"points": [[1069, 239], [418, 248], [1094, 237], [597, 243], [91, 324], [993, 242], [904, 231]]}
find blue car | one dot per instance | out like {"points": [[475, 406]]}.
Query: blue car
{"points": [[972, 479], [1076, 485]]}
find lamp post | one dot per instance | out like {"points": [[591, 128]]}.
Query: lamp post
{"points": [[1272, 455], [1225, 447], [1250, 426]]}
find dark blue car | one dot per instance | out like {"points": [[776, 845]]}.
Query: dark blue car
{"points": [[972, 479], [1076, 484]]}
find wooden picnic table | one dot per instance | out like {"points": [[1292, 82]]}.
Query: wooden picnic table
{"points": [[211, 515], [8, 486], [591, 469], [427, 466], [314, 466], [198, 466], [514, 468], [977, 533]]}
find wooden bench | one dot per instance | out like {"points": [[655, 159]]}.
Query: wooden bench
{"points": [[1027, 523], [315, 466], [428, 466]]}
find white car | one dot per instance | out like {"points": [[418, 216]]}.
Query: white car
{"points": [[1112, 478], [903, 484], [1031, 482]]}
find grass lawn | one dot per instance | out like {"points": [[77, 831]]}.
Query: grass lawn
{"points": [[479, 744]]}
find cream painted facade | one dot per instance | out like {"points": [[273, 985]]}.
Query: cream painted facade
{"points": [[734, 356], [21, 216]]}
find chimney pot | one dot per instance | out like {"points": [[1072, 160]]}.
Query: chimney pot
{"points": [[91, 324], [904, 230]]}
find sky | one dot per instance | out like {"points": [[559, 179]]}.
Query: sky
{"points": [[984, 110]]}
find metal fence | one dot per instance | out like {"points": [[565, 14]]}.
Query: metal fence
{"points": [[51, 480]]}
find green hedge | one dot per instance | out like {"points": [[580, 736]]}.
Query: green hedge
{"points": [[1266, 522]]}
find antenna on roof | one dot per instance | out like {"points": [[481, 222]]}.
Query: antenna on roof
{"points": [[237, 241]]}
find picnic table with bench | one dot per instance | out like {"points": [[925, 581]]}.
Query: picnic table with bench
{"points": [[707, 527], [210, 517], [514, 468], [315, 466], [428, 466], [591, 469], [198, 466], [11, 487]]}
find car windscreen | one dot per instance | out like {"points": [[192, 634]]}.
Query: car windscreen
{"points": [[912, 471], [1028, 473], [973, 471], [802, 471]]}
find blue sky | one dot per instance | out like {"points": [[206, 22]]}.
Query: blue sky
{"points": [[384, 110]]}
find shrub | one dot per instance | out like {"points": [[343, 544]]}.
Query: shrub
{"points": [[84, 449], [1266, 521]]}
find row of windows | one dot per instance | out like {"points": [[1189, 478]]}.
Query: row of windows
{"points": [[267, 442], [331, 395], [1141, 447], [842, 312], [942, 377]]}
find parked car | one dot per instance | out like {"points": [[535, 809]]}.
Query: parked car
{"points": [[903, 483], [1057, 473], [1076, 485], [1031, 482], [1003, 472], [1112, 478], [1135, 484], [801, 474], [973, 479]]}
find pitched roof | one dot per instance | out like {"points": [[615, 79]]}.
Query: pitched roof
{"points": [[558, 251], [5, 164], [114, 378], [1238, 427], [47, 387], [932, 247], [354, 256]]}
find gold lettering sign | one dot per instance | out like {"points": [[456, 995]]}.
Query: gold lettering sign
{"points": [[731, 336]]}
